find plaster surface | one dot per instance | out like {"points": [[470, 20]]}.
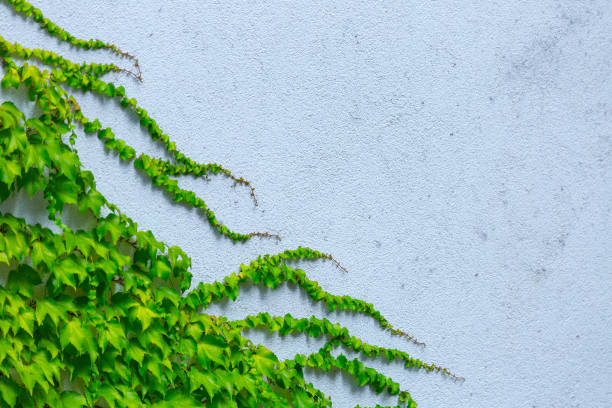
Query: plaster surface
{"points": [[454, 156]]}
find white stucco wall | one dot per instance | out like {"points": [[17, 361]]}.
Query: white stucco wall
{"points": [[454, 156]]}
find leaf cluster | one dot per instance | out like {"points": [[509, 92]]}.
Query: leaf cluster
{"points": [[102, 316]]}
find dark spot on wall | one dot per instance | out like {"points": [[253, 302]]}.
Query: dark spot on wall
{"points": [[540, 274], [561, 240], [482, 235]]}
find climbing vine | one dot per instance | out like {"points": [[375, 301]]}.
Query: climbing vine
{"points": [[101, 316]]}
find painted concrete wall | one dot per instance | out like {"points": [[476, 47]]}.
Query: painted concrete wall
{"points": [[454, 155]]}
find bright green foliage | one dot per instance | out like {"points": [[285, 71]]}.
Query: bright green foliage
{"points": [[99, 316]]}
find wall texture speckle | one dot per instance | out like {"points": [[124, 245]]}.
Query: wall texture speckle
{"points": [[454, 156]]}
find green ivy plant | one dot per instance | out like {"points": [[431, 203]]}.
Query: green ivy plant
{"points": [[102, 316]]}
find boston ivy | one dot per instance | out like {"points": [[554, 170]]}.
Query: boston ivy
{"points": [[99, 316]]}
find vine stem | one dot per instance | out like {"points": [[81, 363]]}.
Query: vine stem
{"points": [[265, 235], [335, 261]]}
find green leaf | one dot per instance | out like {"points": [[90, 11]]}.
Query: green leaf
{"points": [[112, 334], [25, 321], [93, 201], [135, 352], [17, 140], [109, 394], [66, 271], [33, 181], [9, 391], [222, 401], [47, 307], [92, 127], [176, 399], [264, 360], [65, 191], [11, 78], [301, 399], [142, 314], [10, 115], [50, 368], [23, 279], [161, 269], [15, 245], [42, 253], [30, 376], [9, 170], [79, 336], [112, 225], [204, 379], [71, 399], [213, 348], [68, 164]]}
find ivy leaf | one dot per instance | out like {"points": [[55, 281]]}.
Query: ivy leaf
{"points": [[69, 241], [212, 348], [161, 269], [23, 279], [71, 399], [17, 140], [302, 400], [79, 336], [187, 347], [5, 192], [68, 164], [50, 368], [33, 181], [93, 201], [264, 360], [110, 394], [177, 399], [135, 352], [42, 253], [142, 314], [31, 375], [9, 170], [92, 127], [6, 346], [65, 191], [112, 225], [168, 293], [67, 269], [25, 321], [222, 401], [15, 245], [31, 158], [204, 379], [10, 114], [9, 391], [11, 79], [112, 334], [47, 307]]}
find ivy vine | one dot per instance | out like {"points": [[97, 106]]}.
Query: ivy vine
{"points": [[101, 317]]}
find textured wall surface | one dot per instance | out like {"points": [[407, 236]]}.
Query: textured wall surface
{"points": [[456, 157]]}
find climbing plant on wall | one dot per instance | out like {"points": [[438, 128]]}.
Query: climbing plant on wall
{"points": [[102, 316]]}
